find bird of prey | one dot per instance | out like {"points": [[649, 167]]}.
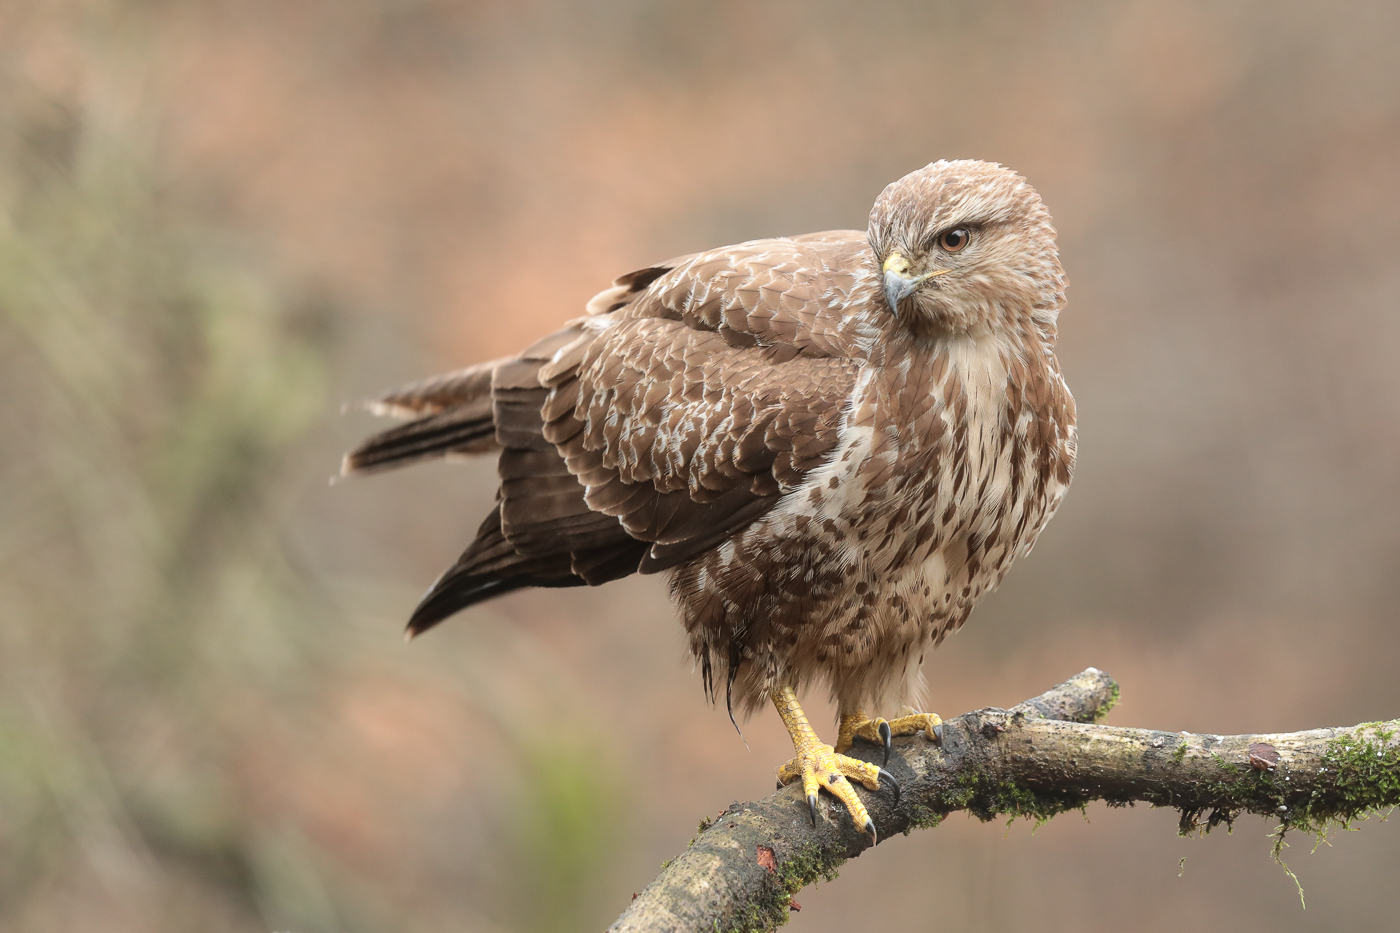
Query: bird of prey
{"points": [[834, 444]]}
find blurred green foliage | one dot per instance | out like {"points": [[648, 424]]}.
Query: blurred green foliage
{"points": [[155, 383], [570, 810], [161, 384]]}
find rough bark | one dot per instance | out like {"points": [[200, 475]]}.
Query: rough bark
{"points": [[1037, 759]]}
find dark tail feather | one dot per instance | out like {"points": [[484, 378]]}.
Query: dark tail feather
{"points": [[489, 568], [469, 428], [453, 593]]}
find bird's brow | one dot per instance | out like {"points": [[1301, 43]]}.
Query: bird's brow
{"points": [[973, 225]]}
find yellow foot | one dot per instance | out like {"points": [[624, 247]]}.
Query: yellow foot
{"points": [[881, 732], [819, 766]]}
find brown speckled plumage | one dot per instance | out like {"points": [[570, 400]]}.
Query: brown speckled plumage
{"points": [[831, 484]]}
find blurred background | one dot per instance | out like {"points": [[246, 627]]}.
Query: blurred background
{"points": [[221, 222]]}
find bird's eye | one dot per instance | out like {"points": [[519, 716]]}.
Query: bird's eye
{"points": [[953, 240]]}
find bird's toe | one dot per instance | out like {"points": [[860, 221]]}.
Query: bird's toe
{"points": [[820, 767], [881, 732]]}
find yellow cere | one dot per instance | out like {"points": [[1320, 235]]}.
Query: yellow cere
{"points": [[896, 264]]}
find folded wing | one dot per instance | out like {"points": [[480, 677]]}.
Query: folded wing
{"points": [[694, 396]]}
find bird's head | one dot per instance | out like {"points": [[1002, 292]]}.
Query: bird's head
{"points": [[964, 247]]}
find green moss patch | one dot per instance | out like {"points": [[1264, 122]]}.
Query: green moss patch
{"points": [[770, 910]]}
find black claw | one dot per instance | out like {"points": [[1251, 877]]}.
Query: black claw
{"points": [[780, 785], [812, 805], [886, 776], [887, 737], [870, 828], [938, 733]]}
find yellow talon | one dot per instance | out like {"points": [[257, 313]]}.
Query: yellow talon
{"points": [[879, 731], [819, 766]]}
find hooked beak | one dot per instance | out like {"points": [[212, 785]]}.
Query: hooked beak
{"points": [[899, 284]]}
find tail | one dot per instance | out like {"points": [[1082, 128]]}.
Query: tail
{"points": [[452, 415]]}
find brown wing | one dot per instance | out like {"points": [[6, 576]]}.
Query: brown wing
{"points": [[694, 397], [685, 438]]}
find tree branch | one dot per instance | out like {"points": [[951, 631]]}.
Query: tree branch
{"points": [[1037, 759]]}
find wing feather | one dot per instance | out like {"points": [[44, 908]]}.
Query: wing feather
{"points": [[693, 397], [710, 416]]}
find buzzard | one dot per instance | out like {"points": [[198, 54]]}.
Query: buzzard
{"points": [[834, 444]]}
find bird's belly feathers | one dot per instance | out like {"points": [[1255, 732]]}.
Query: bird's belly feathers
{"points": [[907, 552], [886, 547]]}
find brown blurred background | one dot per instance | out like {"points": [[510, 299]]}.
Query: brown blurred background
{"points": [[221, 221]]}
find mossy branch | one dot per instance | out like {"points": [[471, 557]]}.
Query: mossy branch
{"points": [[1037, 759]]}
